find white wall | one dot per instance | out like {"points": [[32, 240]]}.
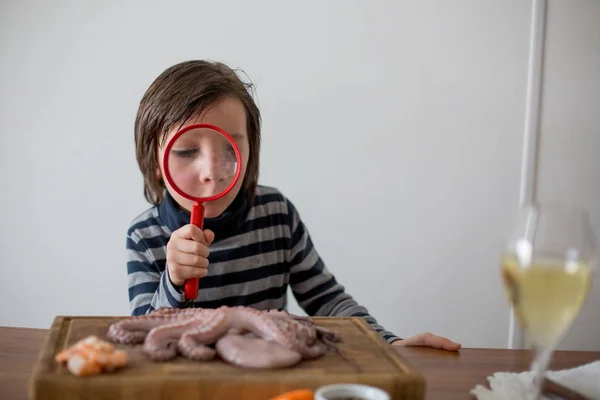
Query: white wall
{"points": [[569, 158], [396, 128]]}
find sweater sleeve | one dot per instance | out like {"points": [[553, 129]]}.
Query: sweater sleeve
{"points": [[149, 285], [314, 286]]}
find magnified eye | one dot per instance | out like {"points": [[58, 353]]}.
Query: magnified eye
{"points": [[185, 153]]}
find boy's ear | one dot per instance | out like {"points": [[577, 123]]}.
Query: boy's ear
{"points": [[157, 170], [157, 166]]}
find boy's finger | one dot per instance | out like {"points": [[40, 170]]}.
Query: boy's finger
{"points": [[188, 271], [210, 236], [192, 247], [430, 340], [191, 232], [198, 235], [192, 260], [440, 342]]}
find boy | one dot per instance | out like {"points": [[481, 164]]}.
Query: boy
{"points": [[254, 243]]}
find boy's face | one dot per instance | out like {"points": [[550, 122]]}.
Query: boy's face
{"points": [[228, 114]]}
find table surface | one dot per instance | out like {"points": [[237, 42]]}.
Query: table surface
{"points": [[449, 375]]}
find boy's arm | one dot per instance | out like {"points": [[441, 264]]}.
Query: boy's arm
{"points": [[314, 287], [147, 279]]}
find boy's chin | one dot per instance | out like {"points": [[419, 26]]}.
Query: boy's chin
{"points": [[210, 210], [213, 210]]}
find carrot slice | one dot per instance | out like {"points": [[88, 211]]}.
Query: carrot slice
{"points": [[300, 394]]}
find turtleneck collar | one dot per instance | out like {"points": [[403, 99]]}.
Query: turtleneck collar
{"points": [[225, 225]]}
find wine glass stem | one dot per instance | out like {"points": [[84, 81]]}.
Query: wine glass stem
{"points": [[539, 367]]}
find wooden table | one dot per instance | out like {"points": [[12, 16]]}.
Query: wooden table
{"points": [[449, 375], [452, 375]]}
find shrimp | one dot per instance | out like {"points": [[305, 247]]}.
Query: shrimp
{"points": [[80, 366], [91, 356]]}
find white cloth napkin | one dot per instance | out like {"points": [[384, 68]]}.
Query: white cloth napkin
{"points": [[509, 385]]}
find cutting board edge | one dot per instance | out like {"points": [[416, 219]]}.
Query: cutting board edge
{"points": [[46, 387], [41, 372], [50, 344]]}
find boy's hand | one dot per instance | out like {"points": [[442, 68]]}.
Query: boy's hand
{"points": [[187, 253], [428, 340]]}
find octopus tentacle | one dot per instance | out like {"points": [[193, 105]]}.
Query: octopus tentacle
{"points": [[256, 322], [328, 337], [321, 330], [193, 342], [278, 330], [133, 330], [303, 338], [161, 341], [194, 351]]}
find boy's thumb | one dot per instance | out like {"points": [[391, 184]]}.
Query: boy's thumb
{"points": [[209, 235]]}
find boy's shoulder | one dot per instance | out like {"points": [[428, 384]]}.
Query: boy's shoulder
{"points": [[270, 200], [146, 219], [265, 194]]}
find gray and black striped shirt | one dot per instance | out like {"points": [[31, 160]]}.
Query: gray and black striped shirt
{"points": [[258, 251]]}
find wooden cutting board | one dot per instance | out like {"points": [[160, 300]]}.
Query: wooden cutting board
{"points": [[180, 379]]}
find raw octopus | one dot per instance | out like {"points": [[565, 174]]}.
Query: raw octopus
{"points": [[241, 336]]}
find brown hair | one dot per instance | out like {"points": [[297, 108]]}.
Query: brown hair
{"points": [[180, 92]]}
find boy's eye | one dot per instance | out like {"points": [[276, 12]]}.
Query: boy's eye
{"points": [[185, 153]]}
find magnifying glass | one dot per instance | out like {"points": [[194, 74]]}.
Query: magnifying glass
{"points": [[202, 163]]}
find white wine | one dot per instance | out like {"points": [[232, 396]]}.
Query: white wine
{"points": [[546, 295]]}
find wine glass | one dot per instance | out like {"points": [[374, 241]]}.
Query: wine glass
{"points": [[547, 273]]}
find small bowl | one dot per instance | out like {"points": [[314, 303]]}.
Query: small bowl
{"points": [[344, 391]]}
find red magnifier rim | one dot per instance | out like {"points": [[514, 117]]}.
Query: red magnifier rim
{"points": [[168, 174]]}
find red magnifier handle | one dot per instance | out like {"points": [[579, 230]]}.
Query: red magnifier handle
{"points": [[190, 287]]}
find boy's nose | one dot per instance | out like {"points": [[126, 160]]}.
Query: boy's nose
{"points": [[214, 169]]}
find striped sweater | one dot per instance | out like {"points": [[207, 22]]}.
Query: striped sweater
{"points": [[258, 251]]}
